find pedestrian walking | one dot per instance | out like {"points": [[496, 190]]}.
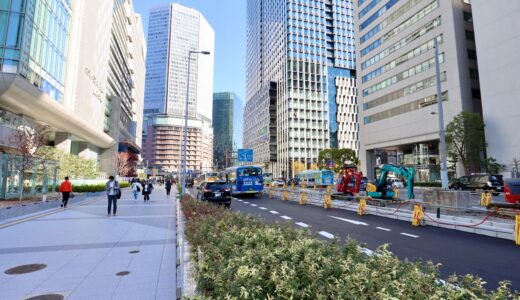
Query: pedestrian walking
{"points": [[65, 190], [113, 192], [136, 188], [147, 190], [168, 186]]}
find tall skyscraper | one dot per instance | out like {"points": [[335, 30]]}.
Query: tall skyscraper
{"points": [[228, 112], [496, 35], [301, 94], [173, 32], [88, 91], [397, 83]]}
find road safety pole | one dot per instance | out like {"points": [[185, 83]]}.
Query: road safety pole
{"points": [[442, 132]]}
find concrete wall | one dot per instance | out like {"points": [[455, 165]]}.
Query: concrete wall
{"points": [[498, 43]]}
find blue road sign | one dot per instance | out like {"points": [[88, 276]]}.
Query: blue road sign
{"points": [[245, 155]]}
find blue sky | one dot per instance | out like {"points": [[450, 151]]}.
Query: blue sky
{"points": [[228, 19]]}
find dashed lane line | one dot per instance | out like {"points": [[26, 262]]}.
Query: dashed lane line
{"points": [[301, 224], [286, 217], [274, 212], [383, 228], [254, 205], [326, 234], [246, 202], [263, 208], [350, 221], [410, 235]]}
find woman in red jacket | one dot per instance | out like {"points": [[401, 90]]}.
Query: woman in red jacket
{"points": [[65, 190]]}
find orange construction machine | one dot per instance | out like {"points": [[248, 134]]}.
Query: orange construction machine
{"points": [[351, 181]]}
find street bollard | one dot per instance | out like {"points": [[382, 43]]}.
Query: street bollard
{"points": [[285, 195], [483, 199], [517, 229], [489, 198], [418, 215], [271, 193], [396, 193], [293, 186], [303, 186], [362, 207], [303, 198], [327, 203], [315, 187]]}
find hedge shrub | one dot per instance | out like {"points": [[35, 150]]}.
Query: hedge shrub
{"points": [[92, 188], [244, 258]]}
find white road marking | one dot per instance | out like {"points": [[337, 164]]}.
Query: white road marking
{"points": [[326, 234], [367, 251], [302, 224], [274, 212], [286, 217], [263, 208], [384, 229], [410, 235], [240, 200], [246, 202], [254, 205], [350, 221]]}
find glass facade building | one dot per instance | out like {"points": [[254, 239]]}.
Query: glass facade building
{"points": [[397, 79], [33, 42], [296, 51], [227, 125]]}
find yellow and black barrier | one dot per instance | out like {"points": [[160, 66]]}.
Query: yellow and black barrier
{"points": [[362, 208], [485, 199], [418, 215], [303, 198]]}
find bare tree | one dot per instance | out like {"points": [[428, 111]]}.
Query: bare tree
{"points": [[27, 142], [516, 166]]}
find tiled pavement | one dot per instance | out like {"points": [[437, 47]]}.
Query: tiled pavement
{"points": [[83, 249]]}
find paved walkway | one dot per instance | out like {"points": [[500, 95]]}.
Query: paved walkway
{"points": [[83, 249]]}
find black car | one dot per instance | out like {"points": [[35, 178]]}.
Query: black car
{"points": [[479, 182], [216, 192]]}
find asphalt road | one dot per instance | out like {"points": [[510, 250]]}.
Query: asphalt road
{"points": [[492, 259]]}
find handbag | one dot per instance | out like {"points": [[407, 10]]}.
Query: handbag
{"points": [[118, 194], [138, 188]]}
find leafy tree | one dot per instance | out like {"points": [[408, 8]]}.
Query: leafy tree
{"points": [[71, 165], [339, 157], [465, 140], [492, 166]]}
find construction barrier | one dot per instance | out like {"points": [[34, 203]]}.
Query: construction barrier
{"points": [[485, 199], [293, 186], [362, 207], [271, 194], [315, 187], [418, 215], [285, 195], [517, 229], [327, 203], [303, 198]]}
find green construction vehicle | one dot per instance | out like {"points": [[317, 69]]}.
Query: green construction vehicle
{"points": [[380, 189]]}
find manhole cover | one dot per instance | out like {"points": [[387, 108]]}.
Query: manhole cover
{"points": [[47, 297], [123, 273], [25, 269], [134, 251]]}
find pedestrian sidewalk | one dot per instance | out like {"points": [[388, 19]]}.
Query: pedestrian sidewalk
{"points": [[83, 251]]}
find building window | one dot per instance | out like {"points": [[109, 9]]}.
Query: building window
{"points": [[468, 17], [473, 74], [472, 54], [470, 35]]}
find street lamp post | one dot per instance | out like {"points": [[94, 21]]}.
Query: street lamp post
{"points": [[186, 117], [442, 132]]}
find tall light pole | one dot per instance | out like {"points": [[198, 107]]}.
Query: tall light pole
{"points": [[442, 132], [186, 117]]}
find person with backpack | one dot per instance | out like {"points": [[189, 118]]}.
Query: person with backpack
{"points": [[65, 190], [113, 193], [136, 188], [147, 190]]}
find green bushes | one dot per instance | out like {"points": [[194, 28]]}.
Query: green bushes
{"points": [[244, 258], [92, 188]]}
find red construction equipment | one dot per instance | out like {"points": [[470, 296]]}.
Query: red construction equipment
{"points": [[350, 182]]}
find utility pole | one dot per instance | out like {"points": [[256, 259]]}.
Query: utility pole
{"points": [[186, 118], [442, 132]]}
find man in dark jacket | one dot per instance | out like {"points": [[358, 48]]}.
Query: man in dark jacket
{"points": [[168, 186], [113, 190]]}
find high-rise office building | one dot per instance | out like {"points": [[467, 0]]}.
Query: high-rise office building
{"points": [[228, 112], [496, 34], [174, 31], [301, 95], [53, 73], [397, 83]]}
